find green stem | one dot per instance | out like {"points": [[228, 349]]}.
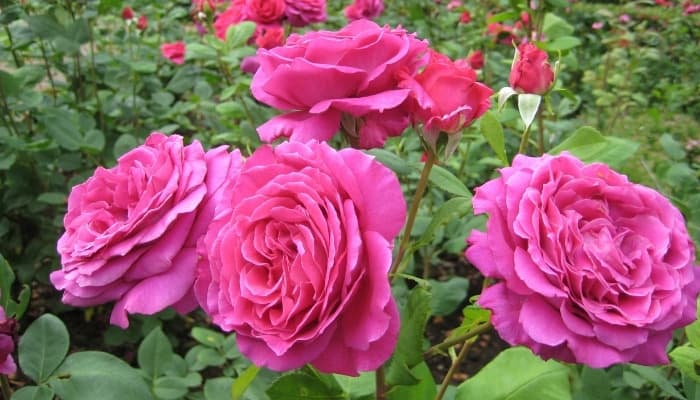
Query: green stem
{"points": [[453, 368], [18, 61], [48, 70], [380, 384], [93, 73], [540, 132], [524, 140], [459, 339], [246, 110], [9, 122], [420, 189], [6, 390]]}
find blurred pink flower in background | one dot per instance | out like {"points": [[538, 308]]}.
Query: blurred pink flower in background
{"points": [[368, 9], [175, 51]]}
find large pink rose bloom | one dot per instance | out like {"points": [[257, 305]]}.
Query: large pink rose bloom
{"points": [[323, 78], [131, 230], [296, 259], [8, 338], [593, 269], [305, 12]]}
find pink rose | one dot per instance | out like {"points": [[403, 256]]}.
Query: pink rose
{"points": [[8, 338], [304, 12], [324, 77], [175, 52], [235, 13], [446, 96], [131, 230], [296, 259], [597, 25], [265, 11], [593, 269], [465, 17], [269, 36], [531, 73], [367, 9]]}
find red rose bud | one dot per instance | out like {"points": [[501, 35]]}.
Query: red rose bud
{"points": [[531, 73], [465, 17], [127, 13], [476, 59], [175, 52], [142, 23]]}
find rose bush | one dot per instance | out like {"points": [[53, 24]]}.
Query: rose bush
{"points": [[8, 338], [296, 260], [593, 269], [531, 73], [131, 230], [322, 78]]}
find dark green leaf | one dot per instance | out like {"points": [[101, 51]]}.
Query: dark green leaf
{"points": [[241, 384], [124, 143], [424, 389], [589, 145], [218, 388], [395, 163], [492, 131], [170, 387], [52, 198], [91, 375], [238, 34], [302, 386], [654, 376], [446, 181], [155, 352], [33, 393], [517, 374], [42, 347], [446, 296], [409, 348], [63, 126], [207, 337]]}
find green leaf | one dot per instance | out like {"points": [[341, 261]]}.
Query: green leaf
{"points": [[395, 163], [692, 331], [243, 382], [207, 337], [589, 145], [447, 295], [594, 385], [123, 144], [562, 43], [91, 375], [517, 374], [492, 131], [154, 353], [555, 26], [55, 198], [473, 317], [687, 359], [144, 67], [94, 141], [218, 388], [672, 147], [302, 386], [654, 376], [63, 127], [357, 386], [170, 387], [238, 34], [424, 389], [33, 393], [7, 278], [42, 347], [410, 345], [46, 26], [7, 160], [198, 51], [446, 181], [528, 104], [9, 84]]}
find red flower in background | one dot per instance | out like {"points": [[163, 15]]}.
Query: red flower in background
{"points": [[234, 14], [142, 23], [368, 9], [476, 59], [265, 11], [465, 17], [175, 52], [127, 13], [269, 36]]}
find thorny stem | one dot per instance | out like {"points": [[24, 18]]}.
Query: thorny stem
{"points": [[48, 70], [380, 384], [6, 390], [459, 339], [415, 202], [524, 140], [18, 61], [453, 368]]}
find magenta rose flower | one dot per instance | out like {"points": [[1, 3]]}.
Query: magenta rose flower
{"points": [[368, 9], [323, 78], [446, 97], [8, 338], [265, 11], [304, 12], [531, 73], [131, 230], [296, 259], [592, 268], [175, 51]]}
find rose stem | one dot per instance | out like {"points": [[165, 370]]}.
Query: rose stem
{"points": [[459, 339], [6, 391], [524, 140], [540, 131], [453, 368], [415, 202], [379, 384]]}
